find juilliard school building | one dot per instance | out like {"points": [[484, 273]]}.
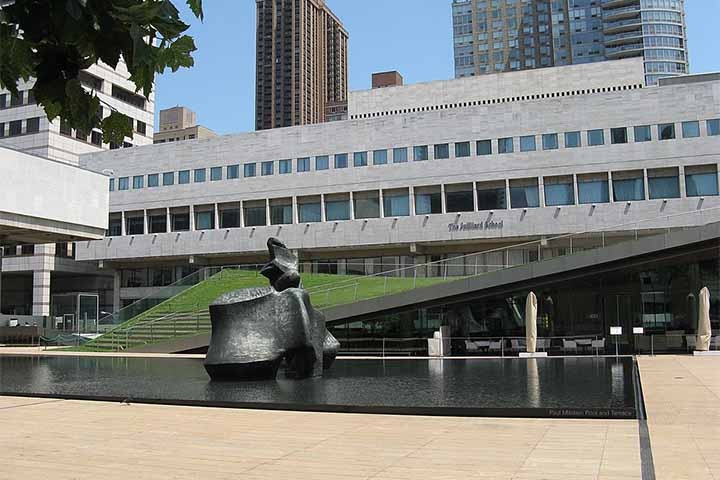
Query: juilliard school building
{"points": [[431, 172]]}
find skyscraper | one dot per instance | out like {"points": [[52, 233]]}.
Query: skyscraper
{"points": [[301, 64], [501, 35]]}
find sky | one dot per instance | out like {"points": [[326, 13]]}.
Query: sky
{"points": [[411, 36]]}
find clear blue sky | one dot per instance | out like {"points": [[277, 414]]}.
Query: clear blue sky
{"points": [[412, 36]]}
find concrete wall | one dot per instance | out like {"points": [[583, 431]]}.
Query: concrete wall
{"points": [[503, 85], [51, 197]]}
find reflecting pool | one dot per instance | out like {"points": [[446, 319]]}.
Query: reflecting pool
{"points": [[553, 387]]}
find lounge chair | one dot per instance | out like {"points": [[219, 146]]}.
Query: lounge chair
{"points": [[543, 344], [516, 345], [495, 346], [598, 345], [471, 347]]}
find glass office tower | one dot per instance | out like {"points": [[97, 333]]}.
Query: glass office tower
{"points": [[493, 36]]}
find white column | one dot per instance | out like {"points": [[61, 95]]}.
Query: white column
{"points": [[646, 184], [323, 216], [217, 216], [611, 194], [381, 198], [267, 211], [146, 223], [168, 222], [352, 206], [411, 199], [475, 197], [541, 192], [508, 201], [192, 218], [295, 213], [442, 198], [41, 293], [575, 189], [122, 221], [681, 180]]}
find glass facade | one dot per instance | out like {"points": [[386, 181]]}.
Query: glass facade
{"points": [[337, 210], [380, 157], [659, 294], [559, 191], [396, 204], [593, 189]]}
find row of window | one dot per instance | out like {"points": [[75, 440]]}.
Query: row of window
{"points": [[19, 127], [24, 97], [529, 143], [495, 101], [561, 190]]}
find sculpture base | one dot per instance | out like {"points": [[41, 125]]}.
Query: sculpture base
{"points": [[711, 353], [533, 355], [266, 370]]}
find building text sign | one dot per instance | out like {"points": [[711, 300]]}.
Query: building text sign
{"points": [[487, 225]]}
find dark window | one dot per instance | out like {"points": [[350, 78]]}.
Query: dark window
{"points": [[420, 153], [138, 181], [249, 170], [3, 100], [643, 133], [128, 97], [168, 178], [527, 143], [215, 174], [484, 147], [96, 138], [595, 137], [135, 226], [33, 125], [428, 203], [572, 140], [281, 214], [16, 100], [713, 127], [230, 218], [2, 129], [459, 199], [199, 175], [524, 193], [157, 224], [321, 163], [15, 127], [550, 141], [400, 155], [462, 149], [341, 160], [114, 227], [267, 168], [233, 172], [284, 167], [303, 164], [691, 129], [141, 127], [618, 135], [180, 222], [505, 145], [491, 196], [360, 159], [666, 131], [442, 151], [255, 216], [628, 186], [153, 180]]}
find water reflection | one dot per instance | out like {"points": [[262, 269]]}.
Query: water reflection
{"points": [[487, 383]]}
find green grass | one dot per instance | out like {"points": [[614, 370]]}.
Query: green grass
{"points": [[325, 291]]}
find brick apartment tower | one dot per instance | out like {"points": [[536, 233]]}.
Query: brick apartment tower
{"points": [[301, 64]]}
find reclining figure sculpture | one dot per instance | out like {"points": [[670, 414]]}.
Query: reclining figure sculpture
{"points": [[255, 330]]}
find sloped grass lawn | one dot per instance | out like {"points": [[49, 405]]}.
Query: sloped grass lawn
{"points": [[325, 291]]}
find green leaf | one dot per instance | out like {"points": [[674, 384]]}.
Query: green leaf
{"points": [[116, 127], [196, 8], [178, 54]]}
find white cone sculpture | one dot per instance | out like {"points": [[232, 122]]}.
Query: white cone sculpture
{"points": [[702, 344], [531, 323]]}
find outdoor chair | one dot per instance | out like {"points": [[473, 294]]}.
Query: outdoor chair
{"points": [[495, 347], [569, 346], [715, 343], [515, 345], [471, 347], [598, 345], [542, 344]]}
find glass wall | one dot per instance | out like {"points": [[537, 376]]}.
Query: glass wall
{"points": [[593, 188], [628, 186], [367, 204], [491, 195], [524, 193], [559, 191], [428, 200], [459, 198], [396, 203]]}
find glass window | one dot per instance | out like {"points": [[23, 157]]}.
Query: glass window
{"points": [[595, 137], [184, 176], [135, 226], [701, 181], [204, 220], [628, 186], [229, 217], [459, 198], [341, 160], [691, 129], [180, 222], [267, 168], [215, 174], [491, 195], [367, 204], [396, 204], [115, 227], [303, 164], [550, 141], [380, 157], [400, 155], [527, 143], [524, 193], [138, 181], [713, 127], [168, 178], [666, 131], [505, 145], [153, 180], [281, 214], [559, 191], [15, 128], [462, 149], [593, 188], [643, 133], [285, 167], [310, 212], [420, 153], [249, 170], [484, 147], [360, 159], [199, 176], [157, 223], [33, 125], [112, 185], [254, 215], [337, 210], [572, 140], [427, 202], [618, 135], [664, 183], [233, 172], [322, 162], [442, 151]]}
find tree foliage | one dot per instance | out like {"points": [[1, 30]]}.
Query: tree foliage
{"points": [[52, 41]]}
